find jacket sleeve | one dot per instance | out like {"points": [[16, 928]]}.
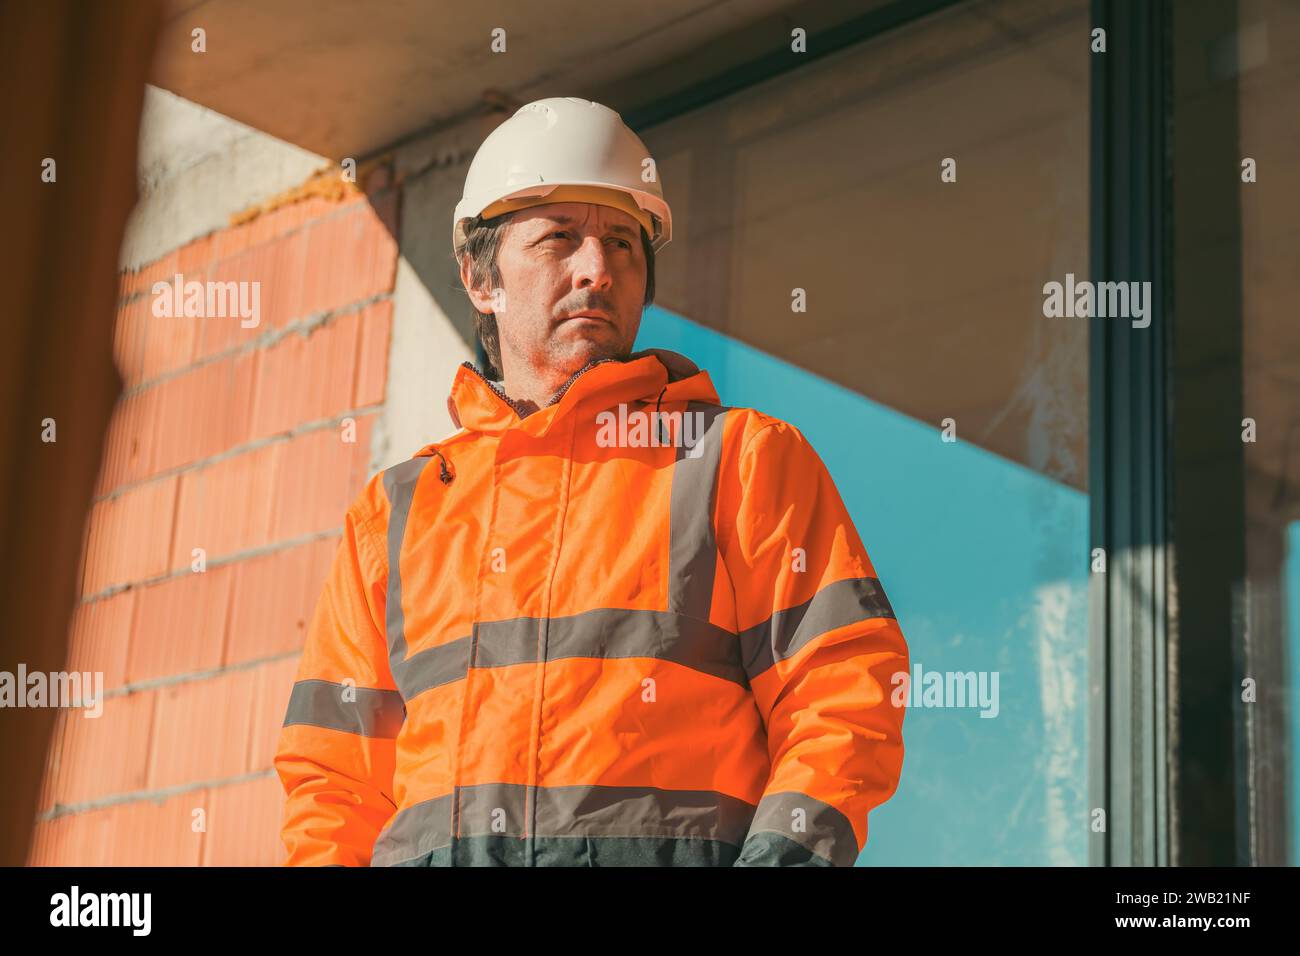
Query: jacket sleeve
{"points": [[821, 646], [337, 747]]}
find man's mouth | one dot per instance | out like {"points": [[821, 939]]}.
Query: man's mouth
{"points": [[588, 316]]}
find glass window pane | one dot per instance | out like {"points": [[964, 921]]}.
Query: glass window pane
{"points": [[824, 271]]}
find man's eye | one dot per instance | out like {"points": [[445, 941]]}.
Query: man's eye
{"points": [[626, 244]]}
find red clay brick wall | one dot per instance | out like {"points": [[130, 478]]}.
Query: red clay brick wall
{"points": [[227, 439]]}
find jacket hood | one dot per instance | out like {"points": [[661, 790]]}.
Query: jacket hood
{"points": [[651, 375]]}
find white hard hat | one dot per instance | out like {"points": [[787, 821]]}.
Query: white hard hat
{"points": [[563, 149]]}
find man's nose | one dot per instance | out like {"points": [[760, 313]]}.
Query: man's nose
{"points": [[591, 264]]}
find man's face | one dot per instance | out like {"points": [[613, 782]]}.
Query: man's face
{"points": [[556, 261]]}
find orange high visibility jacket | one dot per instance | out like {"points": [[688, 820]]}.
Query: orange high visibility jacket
{"points": [[632, 627]]}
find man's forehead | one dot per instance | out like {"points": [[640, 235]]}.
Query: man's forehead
{"points": [[573, 213]]}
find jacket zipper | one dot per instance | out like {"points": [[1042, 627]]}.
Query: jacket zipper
{"points": [[574, 377], [496, 391], [558, 395], [531, 848]]}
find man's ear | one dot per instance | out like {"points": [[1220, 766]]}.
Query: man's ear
{"points": [[480, 299]]}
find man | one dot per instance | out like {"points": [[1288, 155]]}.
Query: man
{"points": [[608, 621]]}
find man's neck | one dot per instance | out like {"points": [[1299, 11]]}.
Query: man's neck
{"points": [[536, 389], [530, 392]]}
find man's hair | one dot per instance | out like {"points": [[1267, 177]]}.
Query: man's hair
{"points": [[482, 244]]}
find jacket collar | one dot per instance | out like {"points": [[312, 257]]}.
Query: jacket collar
{"points": [[651, 375]]}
